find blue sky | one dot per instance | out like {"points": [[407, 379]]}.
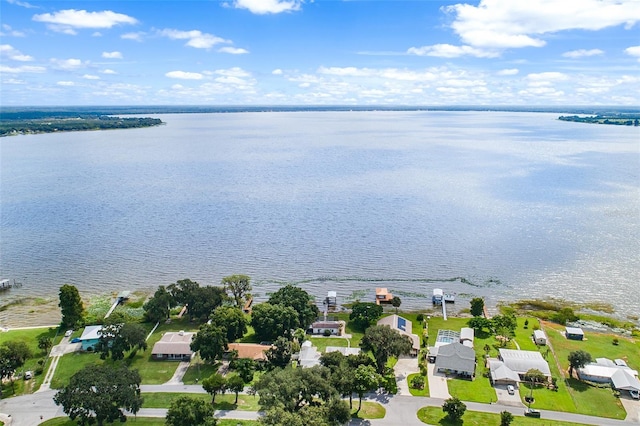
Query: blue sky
{"points": [[323, 52]]}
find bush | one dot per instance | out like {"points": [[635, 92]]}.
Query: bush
{"points": [[326, 333], [38, 371], [420, 318], [417, 382], [615, 341]]}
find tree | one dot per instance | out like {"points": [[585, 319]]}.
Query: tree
{"points": [[201, 301], [365, 380], [477, 306], [280, 353], [210, 341], [271, 321], [505, 418], [505, 326], [364, 313], [534, 375], [188, 411], [70, 305], [396, 302], [480, 323], [564, 315], [239, 286], [214, 384], [454, 408], [44, 344], [300, 301], [294, 388], [158, 308], [100, 393], [578, 359], [13, 355], [383, 342], [245, 367], [235, 384], [232, 319], [116, 339]]}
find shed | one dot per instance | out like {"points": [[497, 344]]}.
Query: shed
{"points": [[466, 334], [383, 295], [173, 346], [574, 333], [539, 337], [456, 358]]}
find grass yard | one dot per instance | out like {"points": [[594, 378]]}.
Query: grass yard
{"points": [[223, 402], [322, 342], [199, 370], [477, 390], [435, 416], [370, 410], [418, 392]]}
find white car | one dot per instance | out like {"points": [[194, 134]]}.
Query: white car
{"points": [[68, 333], [634, 394], [511, 389]]}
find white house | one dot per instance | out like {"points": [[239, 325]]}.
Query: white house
{"points": [[333, 327], [522, 361]]}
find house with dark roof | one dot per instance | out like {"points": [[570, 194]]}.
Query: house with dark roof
{"points": [[456, 358], [574, 333], [334, 328], [404, 327], [173, 346]]}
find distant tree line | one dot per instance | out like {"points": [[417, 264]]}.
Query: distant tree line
{"points": [[72, 123], [617, 119]]}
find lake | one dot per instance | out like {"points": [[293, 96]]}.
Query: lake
{"points": [[505, 205]]}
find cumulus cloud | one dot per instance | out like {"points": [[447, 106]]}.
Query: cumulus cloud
{"points": [[90, 77], [8, 31], [547, 76], [633, 51], [573, 54], [184, 75], [233, 72], [195, 38], [263, 7], [277, 71], [22, 69], [67, 21], [112, 55], [67, 64], [108, 71], [133, 36], [10, 52], [233, 50], [450, 51], [65, 83], [509, 71], [514, 24]]}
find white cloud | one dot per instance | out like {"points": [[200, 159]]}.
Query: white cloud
{"points": [[450, 51], [22, 4], [13, 81], [573, 54], [21, 69], [195, 38], [633, 51], [509, 71], [513, 24], [65, 83], [547, 76], [96, 34], [66, 21], [8, 31], [90, 77], [184, 75], [10, 52], [112, 55], [345, 71], [233, 72], [277, 71], [133, 36], [67, 64], [233, 50], [108, 71], [262, 7]]}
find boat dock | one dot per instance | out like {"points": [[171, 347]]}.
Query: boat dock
{"points": [[121, 297]]}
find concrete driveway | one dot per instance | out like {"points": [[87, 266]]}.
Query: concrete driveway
{"points": [[631, 406], [506, 399], [437, 383], [406, 365]]}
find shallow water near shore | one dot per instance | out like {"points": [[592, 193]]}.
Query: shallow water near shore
{"points": [[502, 205]]}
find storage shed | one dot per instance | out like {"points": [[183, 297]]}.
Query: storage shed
{"points": [[539, 337], [574, 333]]}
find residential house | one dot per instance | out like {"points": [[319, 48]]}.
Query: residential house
{"points": [[500, 374], [456, 358], [522, 361], [90, 337], [404, 327], [173, 346], [252, 351], [616, 372], [334, 328], [308, 355]]}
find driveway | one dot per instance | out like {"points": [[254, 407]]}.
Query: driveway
{"points": [[506, 399], [437, 383], [631, 406], [406, 365]]}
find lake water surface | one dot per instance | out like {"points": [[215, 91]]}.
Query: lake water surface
{"points": [[517, 204]]}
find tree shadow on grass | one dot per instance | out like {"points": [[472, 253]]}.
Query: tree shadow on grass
{"points": [[446, 421], [225, 406], [577, 385]]}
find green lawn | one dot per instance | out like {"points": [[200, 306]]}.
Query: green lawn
{"points": [[435, 416], [477, 390], [30, 337], [322, 342], [369, 410], [198, 370], [418, 392], [223, 402]]}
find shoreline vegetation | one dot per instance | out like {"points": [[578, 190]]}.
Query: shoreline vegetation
{"points": [[35, 120]]}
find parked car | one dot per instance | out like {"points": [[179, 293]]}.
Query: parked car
{"points": [[75, 340], [511, 389], [68, 333], [634, 394], [28, 375], [530, 412]]}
